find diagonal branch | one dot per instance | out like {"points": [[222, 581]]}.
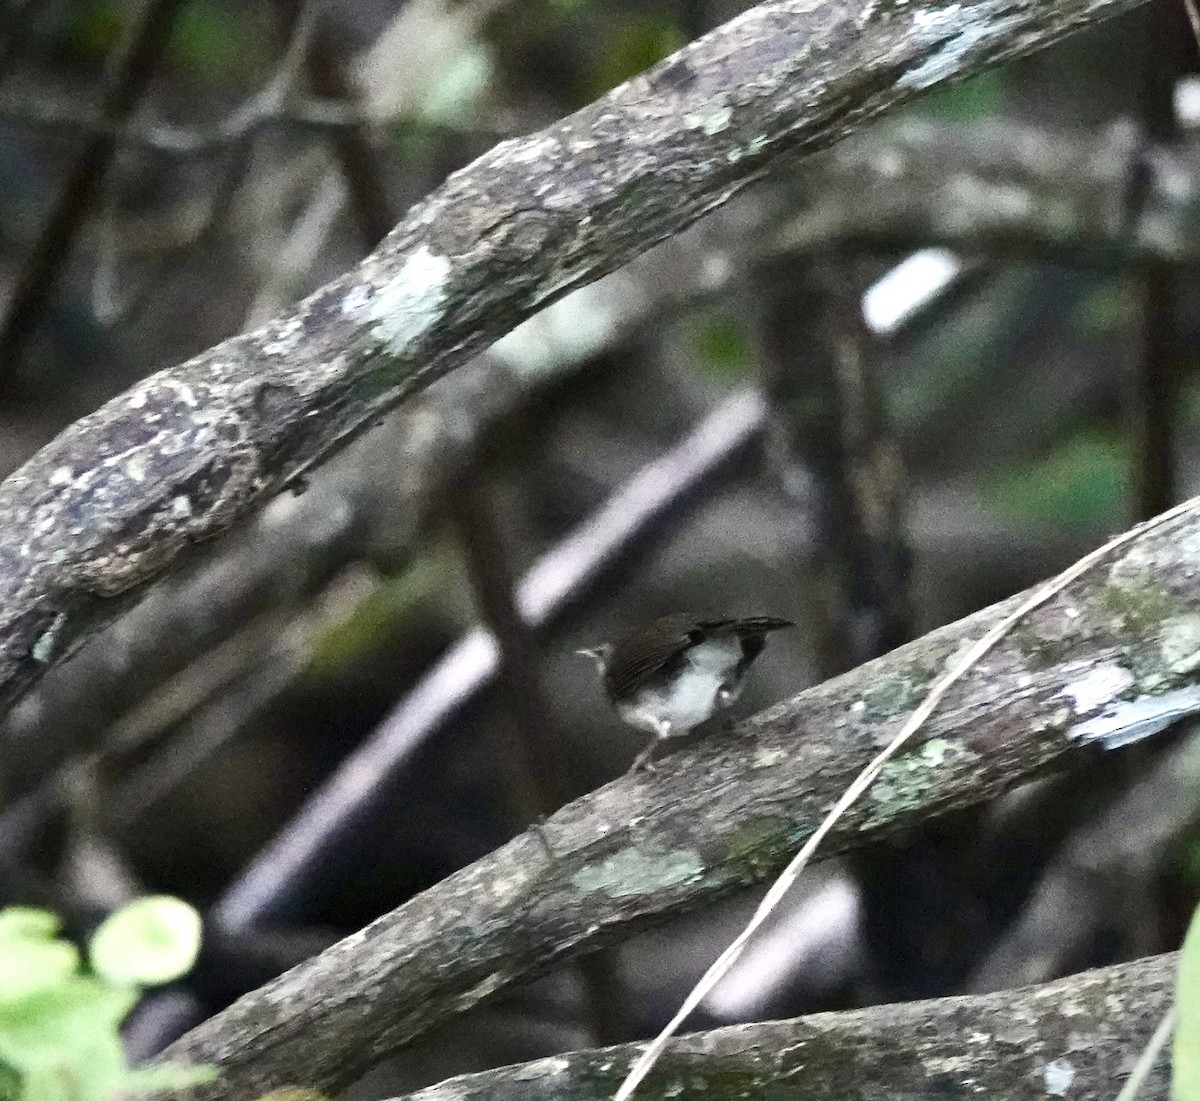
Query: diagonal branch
{"points": [[1111, 659], [188, 452]]}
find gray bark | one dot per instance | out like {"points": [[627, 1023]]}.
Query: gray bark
{"points": [[184, 455], [1076, 1038], [1112, 659]]}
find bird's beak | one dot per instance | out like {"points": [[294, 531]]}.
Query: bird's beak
{"points": [[598, 654]]}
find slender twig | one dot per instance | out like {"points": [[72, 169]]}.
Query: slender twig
{"points": [[1193, 13], [1152, 397], [869, 774], [529, 752], [829, 441], [357, 156], [299, 20]]}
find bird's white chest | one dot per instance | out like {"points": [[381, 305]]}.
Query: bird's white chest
{"points": [[702, 687]]}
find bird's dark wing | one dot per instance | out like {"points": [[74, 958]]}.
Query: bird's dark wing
{"points": [[751, 632], [750, 625], [642, 655]]}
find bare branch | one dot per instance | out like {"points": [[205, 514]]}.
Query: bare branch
{"points": [[1074, 1038]]}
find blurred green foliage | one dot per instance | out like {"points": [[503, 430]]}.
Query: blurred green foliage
{"points": [[1080, 481], [455, 97], [721, 346], [60, 1024], [1108, 307], [214, 41], [379, 617], [631, 48], [151, 941], [981, 97]]}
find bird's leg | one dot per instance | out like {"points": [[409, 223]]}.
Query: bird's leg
{"points": [[643, 762], [726, 695]]}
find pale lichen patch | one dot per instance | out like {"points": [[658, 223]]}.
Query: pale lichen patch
{"points": [[1127, 721], [906, 782], [355, 300], [43, 648], [1058, 1075], [182, 390], [1098, 686], [634, 872], [957, 29], [1180, 645], [765, 758], [712, 120], [287, 337], [409, 304]]}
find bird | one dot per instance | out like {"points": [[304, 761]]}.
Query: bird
{"points": [[673, 674]]}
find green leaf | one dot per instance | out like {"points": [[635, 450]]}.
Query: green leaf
{"points": [[27, 966], [48, 1083], [50, 1026], [982, 97], [633, 48], [27, 923], [150, 941], [93, 1071], [1185, 1061], [453, 99], [150, 1079]]}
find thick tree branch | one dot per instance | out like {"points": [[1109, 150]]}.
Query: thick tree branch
{"points": [[1075, 1038], [188, 452], [1112, 658]]}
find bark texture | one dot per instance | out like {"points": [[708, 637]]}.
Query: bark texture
{"points": [[1076, 1038]]}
